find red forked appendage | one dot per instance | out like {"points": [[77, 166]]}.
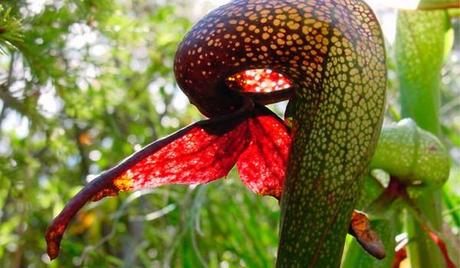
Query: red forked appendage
{"points": [[200, 153]]}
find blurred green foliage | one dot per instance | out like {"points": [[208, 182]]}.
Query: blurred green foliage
{"points": [[83, 84]]}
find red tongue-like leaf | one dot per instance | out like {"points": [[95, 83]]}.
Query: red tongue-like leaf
{"points": [[262, 165], [200, 153]]}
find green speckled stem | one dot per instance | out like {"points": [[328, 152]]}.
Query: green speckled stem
{"points": [[322, 187], [336, 124]]}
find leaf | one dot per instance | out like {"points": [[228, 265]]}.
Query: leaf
{"points": [[421, 43], [10, 31], [200, 153], [420, 49], [356, 257], [262, 166], [197, 154]]}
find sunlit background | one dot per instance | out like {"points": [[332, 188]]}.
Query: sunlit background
{"points": [[82, 36]]}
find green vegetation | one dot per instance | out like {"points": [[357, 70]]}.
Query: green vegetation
{"points": [[84, 83]]}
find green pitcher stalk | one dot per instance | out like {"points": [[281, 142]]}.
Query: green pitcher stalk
{"points": [[336, 124], [420, 58]]}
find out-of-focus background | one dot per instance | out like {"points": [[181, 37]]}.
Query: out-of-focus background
{"points": [[85, 83]]}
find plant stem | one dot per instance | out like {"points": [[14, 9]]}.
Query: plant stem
{"points": [[423, 252], [324, 181], [318, 199], [420, 98], [336, 120]]}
